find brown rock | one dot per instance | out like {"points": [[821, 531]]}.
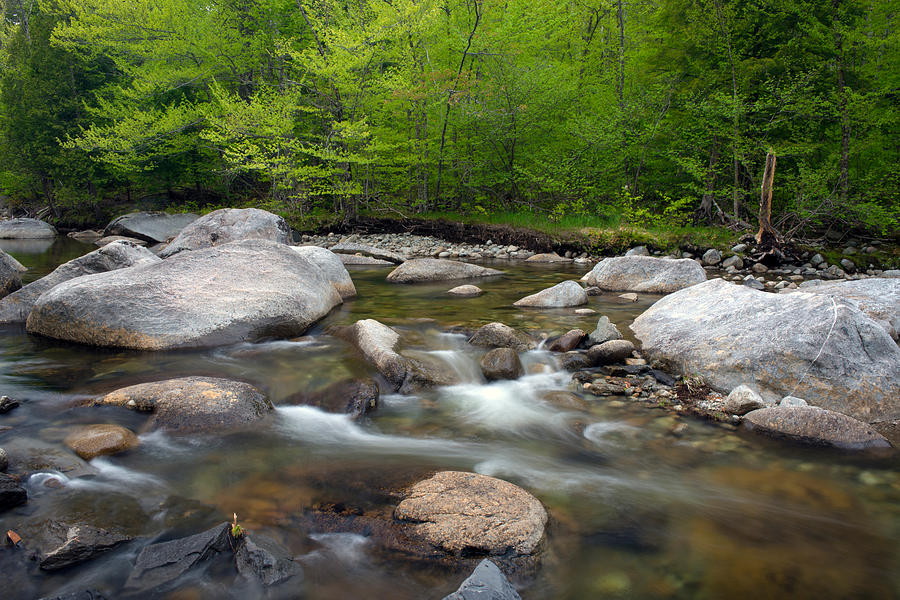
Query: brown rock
{"points": [[567, 341], [498, 335], [467, 513], [194, 403], [815, 426], [501, 363], [98, 440], [610, 352]]}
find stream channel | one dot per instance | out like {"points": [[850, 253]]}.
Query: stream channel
{"points": [[639, 508]]}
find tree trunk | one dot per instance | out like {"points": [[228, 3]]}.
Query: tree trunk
{"points": [[706, 204], [766, 238], [844, 165]]}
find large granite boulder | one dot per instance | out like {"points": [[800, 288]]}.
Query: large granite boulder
{"points": [[645, 274], [193, 403], [832, 354], [460, 512], [331, 266], [814, 426], [486, 582], [561, 295], [153, 227], [229, 225], [878, 297], [240, 291], [437, 269], [10, 275], [26, 229], [117, 255], [383, 254]]}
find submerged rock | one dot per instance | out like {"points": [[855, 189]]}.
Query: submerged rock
{"points": [[229, 225], [645, 274], [90, 441], [193, 403], [160, 564], [437, 269], [241, 291], [370, 251], [117, 255], [331, 266], [815, 426], [79, 543], [355, 398], [153, 227], [486, 582], [785, 343], [11, 493], [501, 363], [498, 335], [561, 295], [467, 513], [25, 229]]}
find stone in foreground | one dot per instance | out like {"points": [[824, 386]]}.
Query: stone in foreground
{"points": [[611, 352], [645, 274], [193, 403], [561, 295], [742, 400], [229, 225], [81, 542], [91, 441], [486, 582], [160, 564], [332, 267], [153, 227], [463, 513], [263, 561], [784, 343], [26, 229], [241, 291], [437, 269], [117, 255], [815, 426]]}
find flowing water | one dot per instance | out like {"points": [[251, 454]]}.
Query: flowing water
{"points": [[639, 508]]}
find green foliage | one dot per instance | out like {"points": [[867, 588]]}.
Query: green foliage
{"points": [[558, 111]]}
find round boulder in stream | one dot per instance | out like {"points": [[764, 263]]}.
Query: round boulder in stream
{"points": [[501, 363], [645, 274], [229, 225], [467, 513], [193, 403], [437, 269], [561, 295], [242, 291], [91, 441], [26, 229]]}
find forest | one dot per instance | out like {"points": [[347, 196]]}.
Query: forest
{"points": [[655, 111]]}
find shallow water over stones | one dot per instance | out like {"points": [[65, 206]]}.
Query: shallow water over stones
{"points": [[642, 503]]}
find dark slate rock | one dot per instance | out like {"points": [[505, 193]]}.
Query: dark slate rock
{"points": [[815, 426], [163, 563], [567, 341], [662, 377], [11, 493], [264, 561], [486, 582], [79, 543], [81, 595], [153, 227]]}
